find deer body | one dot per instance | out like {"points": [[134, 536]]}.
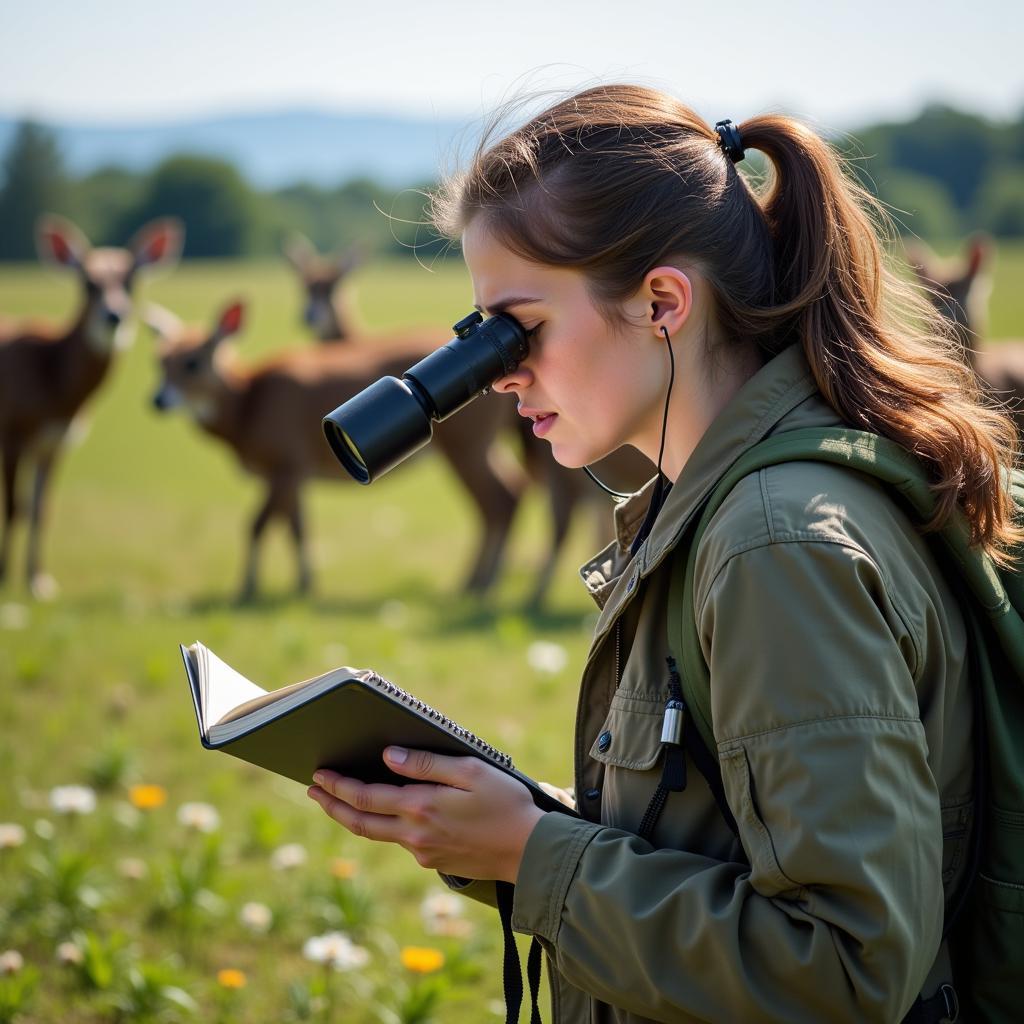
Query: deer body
{"points": [[326, 312], [270, 416], [47, 374]]}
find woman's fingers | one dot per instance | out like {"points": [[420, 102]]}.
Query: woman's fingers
{"points": [[458, 772], [371, 798], [365, 824]]}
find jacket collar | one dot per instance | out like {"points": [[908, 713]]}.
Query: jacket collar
{"points": [[775, 390]]}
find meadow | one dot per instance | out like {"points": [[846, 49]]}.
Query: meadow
{"points": [[146, 538]]}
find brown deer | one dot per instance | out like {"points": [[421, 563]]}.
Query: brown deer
{"points": [[328, 314], [960, 289], [47, 372], [270, 414]]}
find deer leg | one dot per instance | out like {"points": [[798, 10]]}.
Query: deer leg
{"points": [[259, 524], [297, 525], [42, 586], [563, 492], [10, 470], [465, 444]]}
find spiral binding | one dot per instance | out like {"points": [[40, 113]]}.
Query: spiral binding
{"points": [[442, 720]]}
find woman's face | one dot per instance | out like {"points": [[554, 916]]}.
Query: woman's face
{"points": [[589, 387]]}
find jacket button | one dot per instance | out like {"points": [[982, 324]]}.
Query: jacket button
{"points": [[592, 794], [604, 741]]}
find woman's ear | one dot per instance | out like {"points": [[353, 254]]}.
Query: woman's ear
{"points": [[669, 298]]}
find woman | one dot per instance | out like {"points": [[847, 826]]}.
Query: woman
{"points": [[674, 308]]}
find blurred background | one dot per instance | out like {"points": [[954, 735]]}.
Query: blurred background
{"points": [[141, 877]]}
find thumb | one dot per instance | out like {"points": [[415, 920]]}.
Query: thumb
{"points": [[430, 767]]}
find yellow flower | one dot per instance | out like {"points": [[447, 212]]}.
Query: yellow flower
{"points": [[422, 959], [147, 797], [229, 977], [341, 867]]}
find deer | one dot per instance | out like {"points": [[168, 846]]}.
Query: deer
{"points": [[269, 415], [959, 289], [48, 372], [327, 313]]}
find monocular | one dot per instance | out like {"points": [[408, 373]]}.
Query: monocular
{"points": [[387, 422]]}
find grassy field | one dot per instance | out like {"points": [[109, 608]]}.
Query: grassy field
{"points": [[146, 539]]}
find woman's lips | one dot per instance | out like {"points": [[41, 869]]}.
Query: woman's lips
{"points": [[543, 423]]}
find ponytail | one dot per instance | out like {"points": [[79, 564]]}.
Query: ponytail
{"points": [[877, 349], [588, 184]]}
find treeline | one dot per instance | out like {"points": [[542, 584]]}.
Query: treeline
{"points": [[943, 174]]}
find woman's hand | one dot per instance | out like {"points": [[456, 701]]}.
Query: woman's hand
{"points": [[465, 818]]}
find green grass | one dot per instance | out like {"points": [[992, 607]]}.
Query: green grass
{"points": [[146, 537]]}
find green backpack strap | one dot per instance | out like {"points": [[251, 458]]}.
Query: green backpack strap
{"points": [[868, 453]]}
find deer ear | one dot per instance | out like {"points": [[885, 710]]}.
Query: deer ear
{"points": [[298, 250], [351, 258], [920, 260], [162, 322], [979, 249], [59, 242], [158, 243], [231, 320]]}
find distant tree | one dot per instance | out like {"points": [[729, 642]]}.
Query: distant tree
{"points": [[209, 195], [919, 205], [103, 200], [33, 182], [1000, 206]]}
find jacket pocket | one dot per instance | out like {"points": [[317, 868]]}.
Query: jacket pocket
{"points": [[956, 830], [767, 875], [631, 734]]}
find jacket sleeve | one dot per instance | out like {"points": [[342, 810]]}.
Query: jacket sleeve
{"points": [[837, 913]]}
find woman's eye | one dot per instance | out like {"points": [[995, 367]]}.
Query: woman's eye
{"points": [[533, 332]]}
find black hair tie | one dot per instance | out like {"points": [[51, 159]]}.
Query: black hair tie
{"points": [[730, 141]]}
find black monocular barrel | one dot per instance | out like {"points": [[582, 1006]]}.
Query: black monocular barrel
{"points": [[385, 423]]}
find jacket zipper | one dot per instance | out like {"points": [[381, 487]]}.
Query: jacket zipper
{"points": [[618, 652]]}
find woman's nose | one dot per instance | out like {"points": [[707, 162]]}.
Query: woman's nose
{"points": [[519, 378]]}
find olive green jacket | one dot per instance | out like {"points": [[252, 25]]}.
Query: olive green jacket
{"points": [[842, 717]]}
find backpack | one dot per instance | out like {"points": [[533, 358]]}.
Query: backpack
{"points": [[985, 927]]}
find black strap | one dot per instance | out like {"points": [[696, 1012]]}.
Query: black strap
{"points": [[512, 970], [943, 1006]]}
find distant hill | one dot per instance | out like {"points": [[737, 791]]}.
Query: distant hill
{"points": [[271, 149]]}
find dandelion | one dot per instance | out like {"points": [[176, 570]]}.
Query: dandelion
{"points": [[11, 835], [336, 950], [442, 915], [198, 816], [11, 962], [343, 868], [73, 799], [289, 856], [147, 796], [547, 657], [70, 954], [422, 959], [256, 917], [132, 868], [231, 977]]}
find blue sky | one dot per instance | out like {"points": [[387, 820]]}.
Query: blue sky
{"points": [[838, 64]]}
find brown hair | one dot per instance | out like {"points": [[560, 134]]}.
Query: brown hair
{"points": [[619, 178]]}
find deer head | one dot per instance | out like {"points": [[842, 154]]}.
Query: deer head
{"points": [[320, 276], [192, 359], [107, 274]]}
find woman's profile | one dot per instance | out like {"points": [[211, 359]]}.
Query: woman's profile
{"points": [[673, 306]]}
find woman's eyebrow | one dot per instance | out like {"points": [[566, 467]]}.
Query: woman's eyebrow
{"points": [[500, 307]]}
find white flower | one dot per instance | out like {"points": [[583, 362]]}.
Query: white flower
{"points": [[132, 868], [442, 915], [73, 799], [545, 656], [69, 953], [337, 950], [257, 917], [201, 817], [11, 835], [291, 855], [11, 962]]}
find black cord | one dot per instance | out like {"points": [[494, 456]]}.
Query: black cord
{"points": [[622, 495]]}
